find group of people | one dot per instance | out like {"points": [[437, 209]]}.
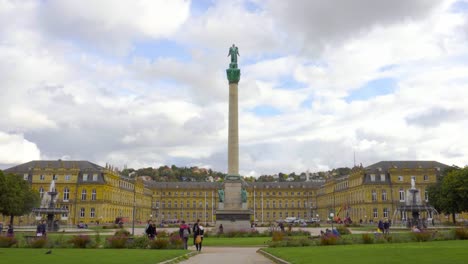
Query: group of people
{"points": [[9, 231], [198, 230], [329, 232], [41, 230], [150, 230], [383, 227]]}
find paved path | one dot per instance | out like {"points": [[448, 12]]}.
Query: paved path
{"points": [[228, 255]]}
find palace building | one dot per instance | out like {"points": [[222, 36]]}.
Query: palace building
{"points": [[95, 194]]}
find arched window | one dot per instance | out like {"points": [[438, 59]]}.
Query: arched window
{"points": [[41, 192]]}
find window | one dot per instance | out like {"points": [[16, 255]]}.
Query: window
{"points": [[175, 204], [92, 213], [385, 212], [67, 177], [194, 204], [169, 204], [274, 204], [274, 215], [376, 213], [41, 192], [402, 195], [372, 177], [426, 195], [298, 204], [163, 204], [286, 214], [268, 204], [54, 177], [194, 215], [42, 177], [280, 204], [82, 212], [292, 214], [25, 176], [426, 178], [268, 215], [66, 208], [188, 204], [93, 195], [95, 177], [66, 194], [85, 177], [382, 177], [374, 195], [384, 195], [200, 205], [286, 204], [281, 214], [400, 178], [83, 195]]}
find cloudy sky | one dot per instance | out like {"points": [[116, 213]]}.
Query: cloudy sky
{"points": [[143, 83]]}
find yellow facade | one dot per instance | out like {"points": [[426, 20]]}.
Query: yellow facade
{"points": [[95, 194]]}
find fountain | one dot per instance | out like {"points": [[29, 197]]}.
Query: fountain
{"points": [[415, 206], [48, 208]]}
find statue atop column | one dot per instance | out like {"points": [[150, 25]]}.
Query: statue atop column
{"points": [[233, 52]]}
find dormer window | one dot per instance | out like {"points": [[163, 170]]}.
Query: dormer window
{"points": [[85, 177]]}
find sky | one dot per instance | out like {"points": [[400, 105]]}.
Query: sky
{"points": [[142, 83]]}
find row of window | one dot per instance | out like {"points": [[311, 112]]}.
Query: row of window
{"points": [[92, 212], [257, 205], [66, 194], [186, 215], [55, 177], [375, 213], [203, 193]]}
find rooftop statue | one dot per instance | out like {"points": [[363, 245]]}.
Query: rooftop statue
{"points": [[233, 52]]}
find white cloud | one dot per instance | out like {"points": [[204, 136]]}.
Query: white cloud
{"points": [[112, 25], [15, 149]]}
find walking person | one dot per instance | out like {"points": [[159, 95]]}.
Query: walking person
{"points": [[41, 229], [199, 237], [150, 230], [196, 232], [386, 227], [1, 228], [184, 233], [10, 231]]}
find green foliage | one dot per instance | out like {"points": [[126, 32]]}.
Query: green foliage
{"points": [[122, 232], [80, 241], [422, 236], [343, 230], [328, 240], [367, 238], [140, 242], [176, 242], [450, 194], [16, 196], [117, 241], [277, 236], [39, 242], [461, 233], [6, 242], [159, 243]]}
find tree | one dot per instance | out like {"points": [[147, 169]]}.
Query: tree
{"points": [[450, 194], [16, 196]]}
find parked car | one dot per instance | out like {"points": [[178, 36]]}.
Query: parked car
{"points": [[290, 219], [313, 220]]}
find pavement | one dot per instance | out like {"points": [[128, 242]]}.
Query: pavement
{"points": [[228, 255]]}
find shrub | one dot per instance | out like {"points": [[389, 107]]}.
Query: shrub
{"points": [[80, 241], [328, 240], [140, 242], [421, 236], [461, 233], [176, 242], [6, 242], [343, 230], [117, 241], [122, 232], [164, 233], [367, 239], [277, 236], [39, 242], [159, 243]]}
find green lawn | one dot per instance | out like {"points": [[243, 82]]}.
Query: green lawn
{"points": [[88, 256], [452, 252]]}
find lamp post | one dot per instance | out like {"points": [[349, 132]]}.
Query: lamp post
{"points": [[331, 216]]}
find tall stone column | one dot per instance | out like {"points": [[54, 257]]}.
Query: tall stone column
{"points": [[233, 133]]}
